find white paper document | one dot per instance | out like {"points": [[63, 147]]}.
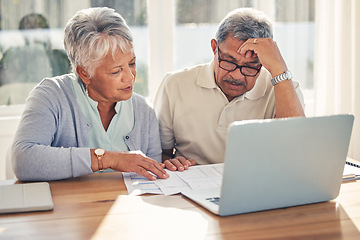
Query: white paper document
{"points": [[196, 177], [137, 184]]}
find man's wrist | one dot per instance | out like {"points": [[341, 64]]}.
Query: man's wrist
{"points": [[281, 77]]}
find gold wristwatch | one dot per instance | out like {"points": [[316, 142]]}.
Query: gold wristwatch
{"points": [[99, 152]]}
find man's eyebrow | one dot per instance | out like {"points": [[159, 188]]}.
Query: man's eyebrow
{"points": [[225, 55], [231, 58]]}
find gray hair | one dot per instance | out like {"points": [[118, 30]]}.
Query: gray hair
{"points": [[244, 23], [91, 33]]}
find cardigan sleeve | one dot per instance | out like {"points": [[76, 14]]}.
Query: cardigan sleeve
{"points": [[46, 146], [154, 150]]}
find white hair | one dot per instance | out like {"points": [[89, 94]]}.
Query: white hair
{"points": [[92, 33]]}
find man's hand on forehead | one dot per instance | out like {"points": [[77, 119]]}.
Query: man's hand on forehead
{"points": [[248, 53], [267, 51]]}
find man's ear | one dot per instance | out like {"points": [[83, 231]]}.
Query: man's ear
{"points": [[83, 74], [213, 45]]}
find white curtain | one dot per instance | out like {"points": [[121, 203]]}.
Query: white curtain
{"points": [[161, 24], [337, 62]]}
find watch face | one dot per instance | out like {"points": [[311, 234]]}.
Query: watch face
{"points": [[99, 151], [288, 75]]}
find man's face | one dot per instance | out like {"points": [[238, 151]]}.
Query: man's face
{"points": [[233, 83]]}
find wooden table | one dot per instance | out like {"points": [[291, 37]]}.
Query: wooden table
{"points": [[98, 207]]}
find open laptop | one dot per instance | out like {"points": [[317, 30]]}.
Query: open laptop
{"points": [[279, 163], [25, 197]]}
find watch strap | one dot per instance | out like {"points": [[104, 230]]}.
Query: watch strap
{"points": [[100, 163], [282, 77]]}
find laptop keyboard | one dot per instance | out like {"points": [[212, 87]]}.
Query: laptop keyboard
{"points": [[214, 200]]}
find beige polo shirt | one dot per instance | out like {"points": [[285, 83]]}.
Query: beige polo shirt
{"points": [[194, 114]]}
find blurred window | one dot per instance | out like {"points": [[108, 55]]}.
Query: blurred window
{"points": [[31, 42], [28, 55]]}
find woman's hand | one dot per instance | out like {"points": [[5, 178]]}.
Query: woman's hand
{"points": [[179, 163], [135, 161]]}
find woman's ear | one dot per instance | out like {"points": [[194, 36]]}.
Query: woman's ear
{"points": [[83, 74]]}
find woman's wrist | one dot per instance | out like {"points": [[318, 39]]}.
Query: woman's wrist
{"points": [[94, 161], [112, 159], [106, 160]]}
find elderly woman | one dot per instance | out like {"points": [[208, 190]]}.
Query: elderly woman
{"points": [[80, 123]]}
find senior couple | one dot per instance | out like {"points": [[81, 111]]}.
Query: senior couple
{"points": [[91, 120]]}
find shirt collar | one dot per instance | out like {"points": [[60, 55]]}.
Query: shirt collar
{"points": [[206, 77]]}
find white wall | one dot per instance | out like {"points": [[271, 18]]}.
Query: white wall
{"points": [[9, 121]]}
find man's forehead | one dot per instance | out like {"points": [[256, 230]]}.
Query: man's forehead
{"points": [[228, 50], [231, 42]]}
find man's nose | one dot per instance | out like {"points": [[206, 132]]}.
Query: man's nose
{"points": [[236, 74]]}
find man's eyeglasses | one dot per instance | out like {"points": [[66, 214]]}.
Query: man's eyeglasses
{"points": [[230, 66]]}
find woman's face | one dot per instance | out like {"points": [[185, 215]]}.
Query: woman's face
{"points": [[113, 79]]}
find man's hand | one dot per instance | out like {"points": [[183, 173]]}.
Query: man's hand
{"points": [[268, 53], [136, 161], [287, 102], [179, 163]]}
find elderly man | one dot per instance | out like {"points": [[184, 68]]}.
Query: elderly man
{"points": [[247, 79]]}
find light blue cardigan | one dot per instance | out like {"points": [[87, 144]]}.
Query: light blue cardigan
{"points": [[51, 141]]}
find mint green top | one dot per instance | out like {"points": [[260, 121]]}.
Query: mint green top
{"points": [[120, 126]]}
